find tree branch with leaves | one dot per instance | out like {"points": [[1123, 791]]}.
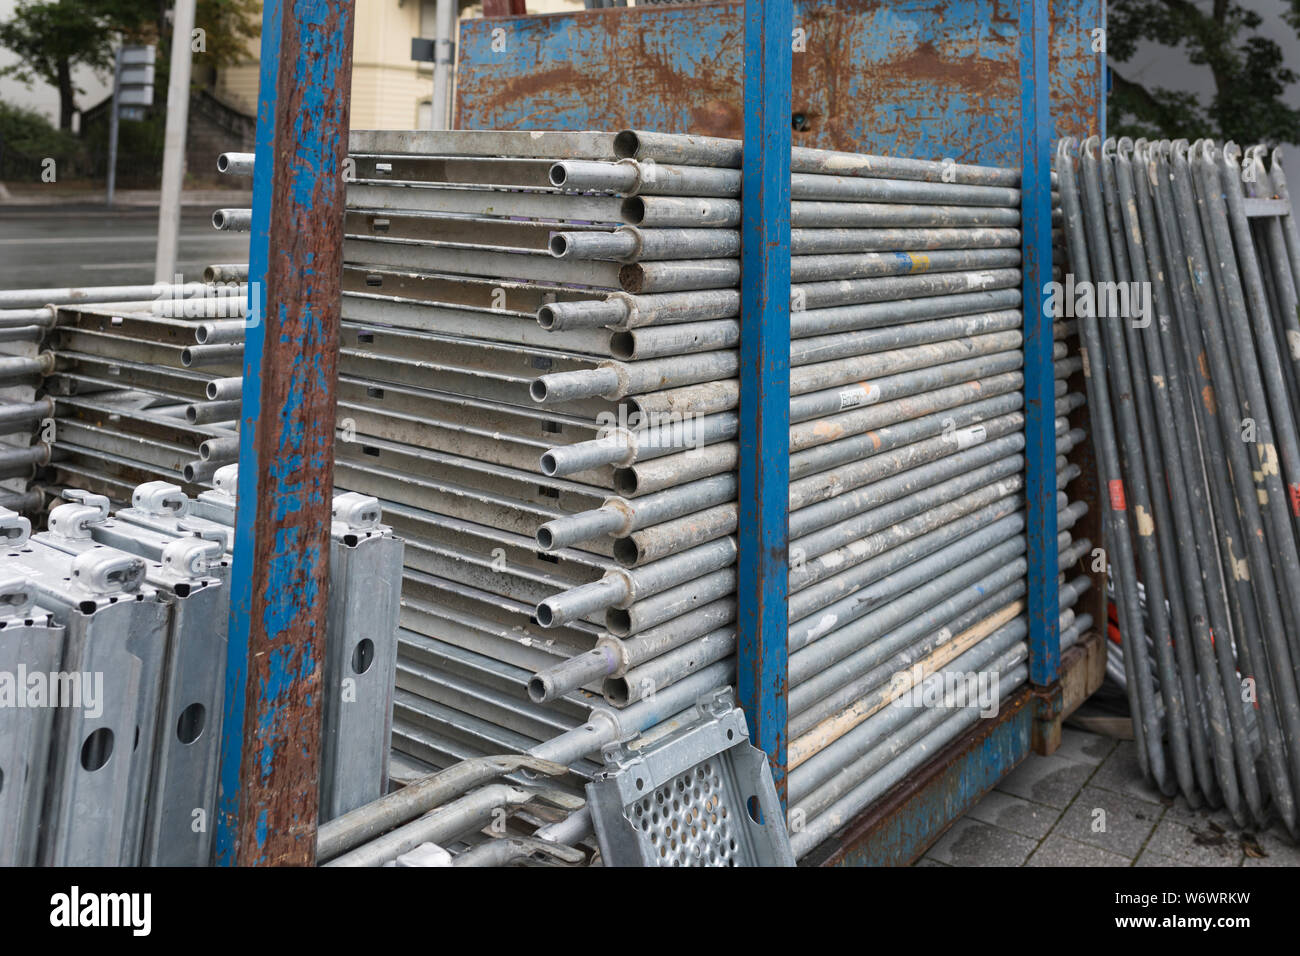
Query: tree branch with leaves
{"points": [[54, 37], [1247, 68]]}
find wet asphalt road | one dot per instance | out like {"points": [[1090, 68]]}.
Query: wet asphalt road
{"points": [[83, 245]]}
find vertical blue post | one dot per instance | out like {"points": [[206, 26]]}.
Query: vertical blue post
{"points": [[1040, 402], [270, 751], [765, 380]]}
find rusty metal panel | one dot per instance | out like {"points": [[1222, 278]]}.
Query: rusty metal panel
{"points": [[923, 78]]}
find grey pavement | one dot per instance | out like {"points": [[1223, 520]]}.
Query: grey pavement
{"points": [[1088, 805], [87, 245]]}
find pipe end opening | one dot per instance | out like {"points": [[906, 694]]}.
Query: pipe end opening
{"points": [[622, 345], [626, 552], [545, 615], [627, 144], [539, 689], [633, 210]]}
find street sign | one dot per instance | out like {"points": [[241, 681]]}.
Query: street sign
{"points": [[421, 50], [132, 94], [135, 81]]}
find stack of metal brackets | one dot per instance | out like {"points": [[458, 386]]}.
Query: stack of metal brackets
{"points": [[107, 396], [144, 599], [31, 643], [22, 367], [1198, 434], [191, 574], [361, 649], [106, 724], [130, 389]]}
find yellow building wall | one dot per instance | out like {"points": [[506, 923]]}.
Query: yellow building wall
{"points": [[387, 87]]}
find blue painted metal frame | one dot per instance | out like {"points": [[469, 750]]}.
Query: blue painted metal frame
{"points": [[1040, 413], [763, 563], [241, 584], [270, 754]]}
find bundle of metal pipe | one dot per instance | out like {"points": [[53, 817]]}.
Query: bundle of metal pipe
{"points": [[1194, 402], [22, 367], [540, 384], [118, 388]]}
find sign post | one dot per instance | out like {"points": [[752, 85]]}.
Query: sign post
{"points": [[133, 70]]}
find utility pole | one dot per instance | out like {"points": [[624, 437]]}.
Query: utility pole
{"points": [[445, 23], [178, 114]]}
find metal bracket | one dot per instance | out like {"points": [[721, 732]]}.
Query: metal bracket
{"points": [[160, 498], [206, 531], [14, 529], [193, 557], [226, 480], [73, 520], [1262, 208], [17, 597], [359, 512], [105, 571], [700, 796]]}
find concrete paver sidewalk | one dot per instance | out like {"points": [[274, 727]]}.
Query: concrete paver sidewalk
{"points": [[1088, 805]]}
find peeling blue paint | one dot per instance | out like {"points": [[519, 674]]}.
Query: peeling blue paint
{"points": [[272, 722], [924, 78], [232, 743]]}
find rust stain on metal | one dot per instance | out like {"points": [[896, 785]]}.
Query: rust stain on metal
{"points": [[280, 768], [884, 77]]}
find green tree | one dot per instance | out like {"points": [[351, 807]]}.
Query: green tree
{"points": [[1249, 75], [52, 37], [227, 27]]}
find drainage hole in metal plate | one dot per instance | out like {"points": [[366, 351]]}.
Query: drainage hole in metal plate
{"points": [[755, 811], [363, 656], [2, 781], [96, 749], [189, 727]]}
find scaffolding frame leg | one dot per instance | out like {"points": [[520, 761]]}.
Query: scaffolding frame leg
{"points": [[270, 756]]}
